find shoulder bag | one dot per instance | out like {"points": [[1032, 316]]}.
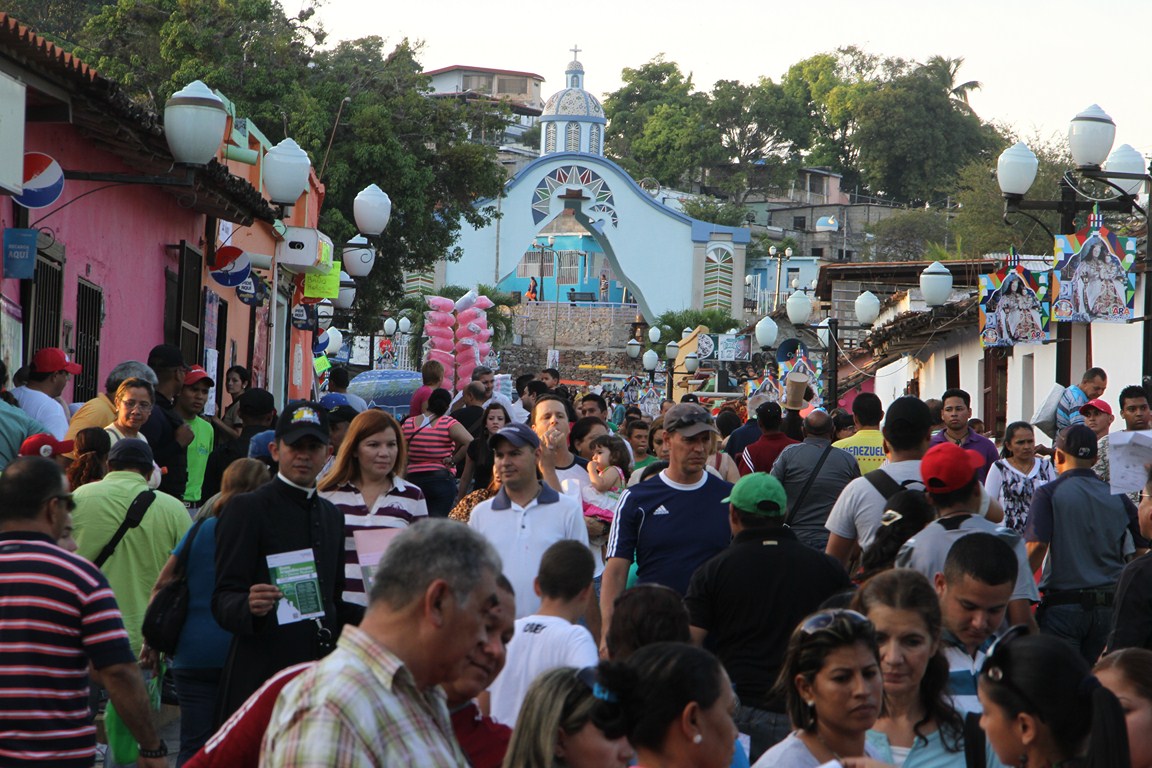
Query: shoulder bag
{"points": [[166, 614], [132, 519]]}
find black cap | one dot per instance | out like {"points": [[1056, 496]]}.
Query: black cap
{"points": [[131, 451], [257, 402], [303, 419], [341, 414], [165, 356], [768, 411], [1078, 441], [912, 411]]}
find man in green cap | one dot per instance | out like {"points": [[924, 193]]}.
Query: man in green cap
{"points": [[748, 598]]}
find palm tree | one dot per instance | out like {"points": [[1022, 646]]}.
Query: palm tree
{"points": [[944, 72]]}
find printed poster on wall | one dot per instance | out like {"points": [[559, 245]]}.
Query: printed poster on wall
{"points": [[1092, 279], [1014, 307]]}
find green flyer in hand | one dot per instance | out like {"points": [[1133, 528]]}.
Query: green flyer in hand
{"points": [[294, 574]]}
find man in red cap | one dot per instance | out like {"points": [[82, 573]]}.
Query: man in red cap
{"points": [[48, 447], [1098, 417], [189, 404], [47, 377], [951, 480]]}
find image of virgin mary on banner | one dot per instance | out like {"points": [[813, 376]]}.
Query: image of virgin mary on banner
{"points": [[1014, 307], [1092, 278]]}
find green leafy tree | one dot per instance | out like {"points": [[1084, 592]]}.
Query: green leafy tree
{"points": [[629, 109], [415, 148], [715, 211], [907, 235], [762, 130], [913, 140], [60, 21], [832, 86]]}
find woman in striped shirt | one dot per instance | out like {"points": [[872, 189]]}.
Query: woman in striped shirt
{"points": [[436, 443], [364, 485]]}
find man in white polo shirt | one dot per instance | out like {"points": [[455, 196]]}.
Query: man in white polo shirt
{"points": [[525, 517]]}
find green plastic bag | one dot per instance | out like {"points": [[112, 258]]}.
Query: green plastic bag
{"points": [[121, 743]]}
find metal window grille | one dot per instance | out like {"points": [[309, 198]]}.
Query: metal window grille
{"points": [[569, 267], [89, 318], [535, 264]]}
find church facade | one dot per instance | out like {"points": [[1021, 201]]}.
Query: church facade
{"points": [[576, 227]]}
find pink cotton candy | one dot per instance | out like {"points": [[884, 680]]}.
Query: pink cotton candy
{"points": [[440, 304]]}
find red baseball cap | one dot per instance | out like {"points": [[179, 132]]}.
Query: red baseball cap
{"points": [[51, 360], [1098, 405], [947, 467], [45, 445], [196, 374]]}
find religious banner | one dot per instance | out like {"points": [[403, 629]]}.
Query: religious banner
{"points": [[1014, 307], [1092, 277], [724, 347]]}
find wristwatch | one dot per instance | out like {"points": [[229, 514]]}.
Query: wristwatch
{"points": [[161, 751]]}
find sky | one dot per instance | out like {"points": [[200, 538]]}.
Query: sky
{"points": [[1039, 61]]}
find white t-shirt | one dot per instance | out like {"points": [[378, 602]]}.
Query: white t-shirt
{"points": [[521, 534], [541, 643], [857, 512], [44, 409]]}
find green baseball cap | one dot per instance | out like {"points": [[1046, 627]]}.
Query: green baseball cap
{"points": [[759, 494]]}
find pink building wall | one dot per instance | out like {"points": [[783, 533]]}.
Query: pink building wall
{"points": [[114, 238]]}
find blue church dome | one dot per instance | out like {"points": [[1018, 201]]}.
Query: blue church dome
{"points": [[573, 118]]}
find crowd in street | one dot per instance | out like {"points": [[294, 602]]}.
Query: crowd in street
{"points": [[549, 580]]}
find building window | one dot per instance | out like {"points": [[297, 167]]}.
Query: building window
{"points": [[816, 184], [89, 319], [535, 264], [718, 280], [952, 372], [792, 279], [800, 222], [550, 137], [817, 253], [594, 139], [569, 267], [511, 86], [572, 137], [183, 303], [478, 83]]}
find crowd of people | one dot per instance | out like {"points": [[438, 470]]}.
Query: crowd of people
{"points": [[552, 580]]}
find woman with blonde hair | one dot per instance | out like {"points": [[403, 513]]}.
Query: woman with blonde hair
{"points": [[555, 726], [364, 484]]}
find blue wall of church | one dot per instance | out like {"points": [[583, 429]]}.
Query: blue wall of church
{"points": [[591, 265]]}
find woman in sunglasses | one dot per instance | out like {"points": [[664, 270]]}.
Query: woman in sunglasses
{"points": [[832, 684], [555, 726], [674, 702], [919, 727], [1044, 707]]}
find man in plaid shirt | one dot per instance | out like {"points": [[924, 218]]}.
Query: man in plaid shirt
{"points": [[376, 699]]}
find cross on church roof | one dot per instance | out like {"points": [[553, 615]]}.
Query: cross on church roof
{"points": [[575, 52]]}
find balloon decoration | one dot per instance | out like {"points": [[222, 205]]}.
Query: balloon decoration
{"points": [[458, 333]]}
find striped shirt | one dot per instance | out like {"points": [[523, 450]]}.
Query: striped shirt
{"points": [[360, 706], [57, 613], [429, 446], [963, 672], [402, 505]]}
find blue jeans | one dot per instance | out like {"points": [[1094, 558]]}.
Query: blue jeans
{"points": [[766, 729], [439, 489], [1085, 630], [197, 690]]}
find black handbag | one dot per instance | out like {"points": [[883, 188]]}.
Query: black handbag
{"points": [[166, 614]]}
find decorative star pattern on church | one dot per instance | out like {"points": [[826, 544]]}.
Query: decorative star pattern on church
{"points": [[563, 178]]}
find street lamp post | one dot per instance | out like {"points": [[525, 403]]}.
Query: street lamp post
{"points": [[671, 352], [774, 253], [1090, 137]]}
